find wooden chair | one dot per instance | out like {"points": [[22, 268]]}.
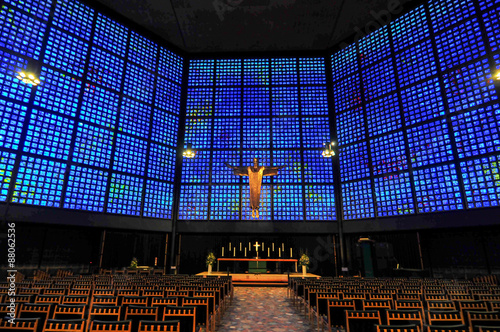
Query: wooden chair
{"points": [[162, 302], [494, 305], [441, 305], [405, 316], [322, 307], [409, 296], [185, 315], [465, 306], [66, 325], [103, 300], [103, 292], [362, 320], [447, 328], [444, 317], [105, 312], [398, 328], [75, 299], [357, 297], [436, 297], [29, 291], [5, 309], [55, 299], [22, 325], [213, 312], [54, 291], [488, 328], [79, 292], [136, 313], [153, 293], [381, 296], [120, 326], [69, 311], [159, 326], [483, 318], [380, 305], [42, 311], [336, 312], [203, 317]]}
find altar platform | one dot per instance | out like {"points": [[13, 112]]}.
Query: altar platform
{"points": [[260, 279]]}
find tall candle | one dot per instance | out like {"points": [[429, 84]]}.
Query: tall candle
{"points": [[283, 246], [273, 246], [263, 247], [156, 261], [279, 250], [223, 251], [249, 246], [229, 246], [290, 252], [268, 252], [240, 246], [234, 253], [245, 252]]}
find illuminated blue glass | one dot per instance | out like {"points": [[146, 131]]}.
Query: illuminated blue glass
{"points": [[292, 173], [288, 202], [196, 170], [485, 4], [264, 160], [422, 102], [105, 69], [66, 52], [347, 93], [313, 100], [284, 71], [383, 115], [40, 9], [158, 200], [429, 144], [199, 133], [130, 155], [416, 63], [193, 204], [201, 72], [445, 13], [125, 195], [134, 118], [492, 25], [351, 126], [170, 65], [39, 182], [315, 132], [220, 172], [58, 92], [285, 133], [357, 200], [227, 133], [225, 203], [48, 135], [161, 163], [256, 72], [379, 79], [99, 106], [165, 127], [86, 189], [312, 71], [110, 35], [199, 102], [374, 47], [317, 169], [256, 133], [285, 101], [477, 131], [256, 101], [320, 203], [7, 161], [482, 181], [138, 83], [344, 62], [92, 146], [410, 28], [12, 117], [394, 196], [142, 51], [74, 17], [168, 96], [388, 153], [21, 33], [10, 86], [228, 72], [264, 207], [227, 101], [437, 189], [354, 162]]}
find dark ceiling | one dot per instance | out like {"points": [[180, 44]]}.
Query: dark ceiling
{"points": [[257, 25]]}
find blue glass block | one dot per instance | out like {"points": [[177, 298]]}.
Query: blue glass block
{"points": [[99, 106], [284, 71], [92, 146], [388, 153], [10, 86], [320, 203], [12, 117], [416, 63], [86, 189], [312, 71], [256, 101], [171, 65], [105, 69], [161, 163], [225, 203], [292, 172], [485, 4], [7, 161], [285, 133], [264, 159], [350, 126], [315, 132], [477, 131], [422, 102], [379, 79], [347, 93], [227, 133], [374, 47], [429, 144], [492, 24], [264, 206], [469, 86], [138, 83], [48, 135], [66, 52], [445, 13], [130, 155], [199, 133], [193, 204], [110, 35], [437, 189], [354, 163], [394, 196], [227, 101], [199, 102], [383, 115], [313, 100], [288, 202], [165, 127], [220, 172], [317, 169], [201, 72], [410, 28], [40, 9], [168, 96], [256, 71], [134, 118], [39, 182], [357, 200], [74, 17], [125, 195], [58, 92], [159, 199], [481, 179], [285, 101], [256, 133], [196, 170], [344, 62], [228, 72], [142, 51], [20, 33]]}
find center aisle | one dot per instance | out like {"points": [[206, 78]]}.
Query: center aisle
{"points": [[263, 309]]}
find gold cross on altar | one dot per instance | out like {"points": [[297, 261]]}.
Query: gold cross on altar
{"points": [[256, 245]]}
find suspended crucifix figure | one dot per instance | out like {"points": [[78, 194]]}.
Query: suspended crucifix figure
{"points": [[255, 174]]}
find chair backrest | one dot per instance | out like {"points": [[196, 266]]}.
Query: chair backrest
{"points": [[202, 309], [75, 299], [447, 328], [103, 292], [441, 305], [381, 296], [48, 299], [186, 316], [76, 292], [105, 312], [153, 292], [488, 328], [54, 291], [405, 316], [483, 318], [134, 300], [69, 311], [22, 324], [398, 328], [119, 326], [103, 300], [159, 326], [444, 317], [66, 325], [138, 313], [362, 320]]}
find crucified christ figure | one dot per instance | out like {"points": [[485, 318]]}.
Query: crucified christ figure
{"points": [[255, 174]]}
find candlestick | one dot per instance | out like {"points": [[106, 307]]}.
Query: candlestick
{"points": [[283, 246], [245, 252], [262, 246], [290, 252], [234, 253], [223, 251], [229, 246], [279, 251], [240, 246], [249, 246], [268, 252], [273, 246]]}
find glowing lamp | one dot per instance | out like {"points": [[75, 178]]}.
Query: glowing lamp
{"points": [[328, 152], [189, 152], [28, 78]]}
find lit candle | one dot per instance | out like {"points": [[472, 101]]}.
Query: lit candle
{"points": [[290, 252], [249, 246], [156, 261], [229, 246], [223, 251], [245, 252], [283, 246], [263, 247], [279, 251], [273, 246], [234, 253], [268, 252], [240, 246]]}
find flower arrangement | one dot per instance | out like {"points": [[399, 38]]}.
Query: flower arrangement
{"points": [[304, 260], [133, 263], [211, 259]]}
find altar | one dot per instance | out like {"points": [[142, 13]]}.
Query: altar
{"points": [[258, 265]]}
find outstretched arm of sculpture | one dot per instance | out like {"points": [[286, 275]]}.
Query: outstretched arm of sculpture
{"points": [[242, 171], [272, 170]]}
